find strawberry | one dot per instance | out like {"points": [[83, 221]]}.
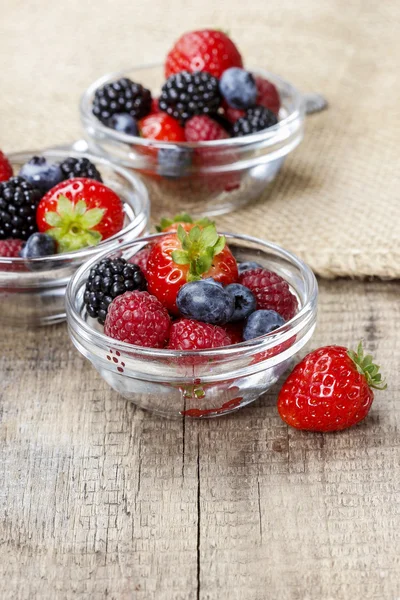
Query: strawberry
{"points": [[11, 248], [268, 96], [271, 291], [330, 389], [160, 126], [204, 50], [184, 256], [204, 129], [187, 334], [183, 219], [5, 168], [138, 318], [80, 212]]}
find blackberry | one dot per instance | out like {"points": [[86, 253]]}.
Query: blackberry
{"points": [[255, 119], [107, 280], [185, 95], [79, 167], [18, 203], [122, 96]]}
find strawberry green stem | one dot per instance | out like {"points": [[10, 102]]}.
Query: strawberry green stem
{"points": [[366, 366]]}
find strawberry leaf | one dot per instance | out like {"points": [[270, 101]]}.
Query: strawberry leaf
{"points": [[53, 219], [180, 257], [220, 245], [365, 366], [209, 236], [91, 218], [65, 207]]}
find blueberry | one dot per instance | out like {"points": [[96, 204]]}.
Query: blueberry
{"points": [[38, 246], [246, 266], [205, 300], [238, 87], [124, 123], [41, 174], [262, 322], [245, 302], [173, 162]]}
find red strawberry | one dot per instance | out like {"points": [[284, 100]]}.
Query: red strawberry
{"points": [[204, 50], [80, 212], [161, 127], [141, 258], [183, 219], [204, 129], [187, 334], [188, 256], [5, 168], [330, 389], [271, 291], [268, 96], [138, 318], [11, 248]]}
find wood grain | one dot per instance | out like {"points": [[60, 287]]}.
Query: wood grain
{"points": [[100, 500]]}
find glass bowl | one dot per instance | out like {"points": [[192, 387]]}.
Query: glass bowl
{"points": [[32, 291], [200, 383], [223, 174]]}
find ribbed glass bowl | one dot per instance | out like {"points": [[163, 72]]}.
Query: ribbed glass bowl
{"points": [[223, 175], [32, 291], [201, 383]]}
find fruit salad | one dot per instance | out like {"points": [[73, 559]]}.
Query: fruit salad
{"points": [[186, 291], [207, 95], [53, 208]]}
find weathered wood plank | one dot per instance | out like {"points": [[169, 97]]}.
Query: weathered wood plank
{"points": [[100, 500]]}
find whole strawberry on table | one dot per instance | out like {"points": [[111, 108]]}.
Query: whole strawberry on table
{"points": [[50, 208], [208, 95]]}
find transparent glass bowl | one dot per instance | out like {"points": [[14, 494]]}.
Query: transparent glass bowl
{"points": [[223, 175], [32, 291], [199, 383]]}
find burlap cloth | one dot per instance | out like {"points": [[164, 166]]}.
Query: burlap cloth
{"points": [[336, 202]]}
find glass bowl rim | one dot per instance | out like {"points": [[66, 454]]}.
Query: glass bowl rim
{"points": [[107, 244], [259, 344], [268, 134]]}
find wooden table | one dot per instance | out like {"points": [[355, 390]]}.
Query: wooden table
{"points": [[100, 500]]}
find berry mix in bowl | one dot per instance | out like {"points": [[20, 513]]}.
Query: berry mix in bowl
{"points": [[189, 322], [205, 132], [57, 209]]}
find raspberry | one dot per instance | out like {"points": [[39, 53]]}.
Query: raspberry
{"points": [[235, 332], [11, 248], [138, 318], [203, 129], [271, 292], [5, 168], [140, 258], [268, 95], [187, 334]]}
